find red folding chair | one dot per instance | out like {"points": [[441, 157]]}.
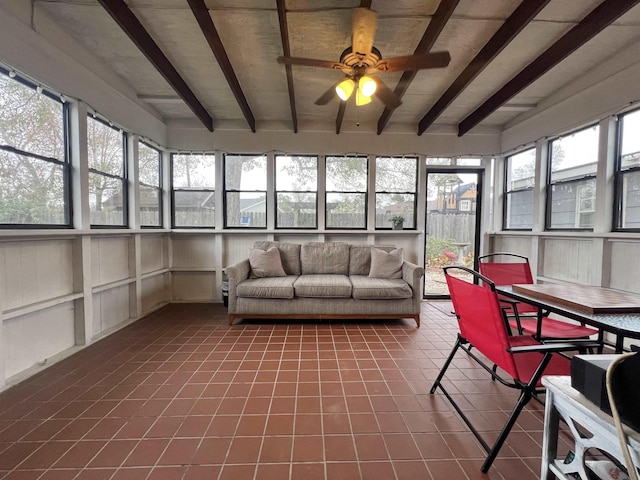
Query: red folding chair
{"points": [[509, 268], [482, 326]]}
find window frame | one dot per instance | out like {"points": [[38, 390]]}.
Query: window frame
{"points": [[620, 173], [507, 193], [550, 184], [225, 191], [124, 179], [65, 163], [211, 191], [414, 193], [276, 191], [158, 188], [365, 193]]}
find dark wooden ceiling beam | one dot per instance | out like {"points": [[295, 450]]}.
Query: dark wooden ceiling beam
{"points": [[286, 51], [437, 23], [203, 17], [599, 18], [130, 24], [519, 19]]}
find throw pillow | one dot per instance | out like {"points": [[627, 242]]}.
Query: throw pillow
{"points": [[266, 263], [386, 265]]}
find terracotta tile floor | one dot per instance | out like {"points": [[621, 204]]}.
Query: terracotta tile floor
{"points": [[181, 395]]}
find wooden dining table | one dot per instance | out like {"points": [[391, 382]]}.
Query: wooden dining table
{"points": [[609, 310]]}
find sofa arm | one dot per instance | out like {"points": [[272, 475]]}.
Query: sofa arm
{"points": [[412, 274], [236, 273]]}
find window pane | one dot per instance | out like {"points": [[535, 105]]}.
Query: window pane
{"points": [[521, 170], [30, 121], [105, 147], [396, 174], [193, 171], [149, 206], [575, 155], [468, 161], [630, 145], [245, 172], [298, 174], [391, 204], [148, 165], [31, 191], [519, 210], [346, 210], [296, 210], [573, 204], [246, 209], [193, 208], [106, 201], [438, 161], [347, 174], [631, 200]]}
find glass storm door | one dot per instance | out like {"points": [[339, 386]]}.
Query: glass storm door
{"points": [[452, 224]]}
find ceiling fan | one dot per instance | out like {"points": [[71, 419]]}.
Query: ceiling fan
{"points": [[359, 61]]}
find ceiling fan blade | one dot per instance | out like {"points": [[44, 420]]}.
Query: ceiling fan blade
{"points": [[327, 96], [386, 95], [310, 62], [410, 63], [363, 30]]}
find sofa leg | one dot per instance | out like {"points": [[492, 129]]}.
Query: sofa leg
{"points": [[417, 319], [232, 317]]}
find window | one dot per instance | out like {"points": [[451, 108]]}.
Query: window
{"points": [[469, 161], [150, 179], [573, 161], [34, 164], [465, 205], [296, 191], [518, 190], [438, 161], [107, 178], [346, 196], [396, 180], [628, 172], [193, 181], [245, 180]]}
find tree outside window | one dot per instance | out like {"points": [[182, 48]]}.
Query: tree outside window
{"points": [[34, 168], [107, 179], [150, 180], [346, 195], [245, 180], [193, 181], [396, 183]]}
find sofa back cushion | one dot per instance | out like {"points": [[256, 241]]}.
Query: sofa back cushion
{"points": [[289, 254], [386, 264], [324, 258], [360, 257], [265, 263]]}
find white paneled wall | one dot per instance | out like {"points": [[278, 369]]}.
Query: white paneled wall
{"points": [[37, 338], [63, 290]]}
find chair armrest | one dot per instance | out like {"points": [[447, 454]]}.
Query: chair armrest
{"points": [[553, 347], [236, 273]]}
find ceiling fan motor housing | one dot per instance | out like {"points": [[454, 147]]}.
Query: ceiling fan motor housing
{"points": [[351, 59]]}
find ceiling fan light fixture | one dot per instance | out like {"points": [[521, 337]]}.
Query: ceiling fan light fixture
{"points": [[345, 88], [367, 86], [362, 99]]}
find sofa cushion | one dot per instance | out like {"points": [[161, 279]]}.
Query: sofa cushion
{"points": [[289, 254], [269, 287], [369, 288], [360, 257], [324, 258], [386, 264], [265, 263], [329, 285]]}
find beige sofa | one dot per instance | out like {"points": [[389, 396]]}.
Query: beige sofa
{"points": [[325, 280]]}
